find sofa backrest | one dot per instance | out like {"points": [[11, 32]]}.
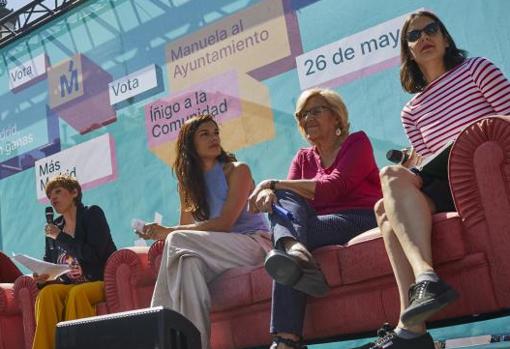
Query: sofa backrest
{"points": [[479, 172]]}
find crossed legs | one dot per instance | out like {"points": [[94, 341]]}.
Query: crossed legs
{"points": [[307, 232], [404, 216]]}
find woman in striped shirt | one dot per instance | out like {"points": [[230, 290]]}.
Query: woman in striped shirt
{"points": [[452, 92]]}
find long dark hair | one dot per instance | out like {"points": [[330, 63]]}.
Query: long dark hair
{"points": [[411, 77], [188, 168]]}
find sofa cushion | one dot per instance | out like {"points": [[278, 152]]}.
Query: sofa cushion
{"points": [[247, 285], [262, 284], [236, 287], [448, 243], [327, 257], [365, 258]]}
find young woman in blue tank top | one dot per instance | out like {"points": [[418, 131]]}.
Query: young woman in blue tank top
{"points": [[215, 233]]}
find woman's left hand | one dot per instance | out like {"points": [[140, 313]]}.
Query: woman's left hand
{"points": [[75, 273]]}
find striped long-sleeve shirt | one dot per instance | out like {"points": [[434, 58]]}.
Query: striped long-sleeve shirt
{"points": [[474, 89]]}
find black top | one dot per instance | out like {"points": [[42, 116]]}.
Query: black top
{"points": [[91, 245]]}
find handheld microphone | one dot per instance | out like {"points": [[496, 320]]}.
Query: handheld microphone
{"points": [[49, 214], [282, 212], [49, 219], [397, 156]]}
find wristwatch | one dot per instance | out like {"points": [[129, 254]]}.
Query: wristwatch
{"points": [[272, 184]]}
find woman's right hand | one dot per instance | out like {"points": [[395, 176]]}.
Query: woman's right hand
{"points": [[414, 159], [262, 202], [51, 231], [42, 278], [154, 231]]}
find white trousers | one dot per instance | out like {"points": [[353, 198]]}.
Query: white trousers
{"points": [[192, 259]]}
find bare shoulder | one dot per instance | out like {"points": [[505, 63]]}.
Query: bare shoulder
{"points": [[237, 170]]}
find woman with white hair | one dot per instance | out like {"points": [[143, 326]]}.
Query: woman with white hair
{"points": [[330, 191]]}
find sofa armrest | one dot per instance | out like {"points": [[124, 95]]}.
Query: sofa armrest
{"points": [[128, 279], [479, 171], [11, 322], [155, 253], [26, 291], [8, 304]]}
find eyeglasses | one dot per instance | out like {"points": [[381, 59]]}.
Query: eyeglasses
{"points": [[315, 112], [430, 29]]}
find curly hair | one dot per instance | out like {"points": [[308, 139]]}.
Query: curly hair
{"points": [[67, 182], [188, 168], [411, 77]]}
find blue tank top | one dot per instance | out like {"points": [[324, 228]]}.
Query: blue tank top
{"points": [[217, 191]]}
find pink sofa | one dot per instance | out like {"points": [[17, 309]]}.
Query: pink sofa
{"points": [[11, 328], [25, 292], [470, 247], [22, 295]]}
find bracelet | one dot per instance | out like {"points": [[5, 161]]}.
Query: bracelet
{"points": [[272, 184]]}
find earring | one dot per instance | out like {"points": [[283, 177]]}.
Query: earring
{"points": [[338, 132]]}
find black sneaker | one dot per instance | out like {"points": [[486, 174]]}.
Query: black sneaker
{"points": [[425, 299], [389, 340]]}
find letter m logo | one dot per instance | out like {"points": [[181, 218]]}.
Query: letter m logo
{"points": [[69, 81], [66, 82]]}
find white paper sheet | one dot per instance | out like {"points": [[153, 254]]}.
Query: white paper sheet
{"points": [[138, 224], [41, 267], [158, 218]]}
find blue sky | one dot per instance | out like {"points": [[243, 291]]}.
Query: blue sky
{"points": [[16, 4]]}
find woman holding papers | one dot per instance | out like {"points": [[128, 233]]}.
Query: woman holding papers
{"points": [[330, 192], [215, 232], [81, 238], [452, 92]]}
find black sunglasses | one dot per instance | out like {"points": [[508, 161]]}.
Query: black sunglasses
{"points": [[430, 29]]}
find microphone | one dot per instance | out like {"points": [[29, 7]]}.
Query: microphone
{"points": [[397, 156], [282, 212], [49, 219], [49, 214]]}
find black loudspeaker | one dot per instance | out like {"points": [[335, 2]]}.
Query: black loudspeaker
{"points": [[150, 328]]}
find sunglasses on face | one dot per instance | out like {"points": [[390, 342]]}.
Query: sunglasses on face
{"points": [[430, 29], [315, 112]]}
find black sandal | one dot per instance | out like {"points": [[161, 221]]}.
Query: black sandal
{"points": [[288, 342]]}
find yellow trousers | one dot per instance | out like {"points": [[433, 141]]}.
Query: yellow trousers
{"points": [[60, 302]]}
